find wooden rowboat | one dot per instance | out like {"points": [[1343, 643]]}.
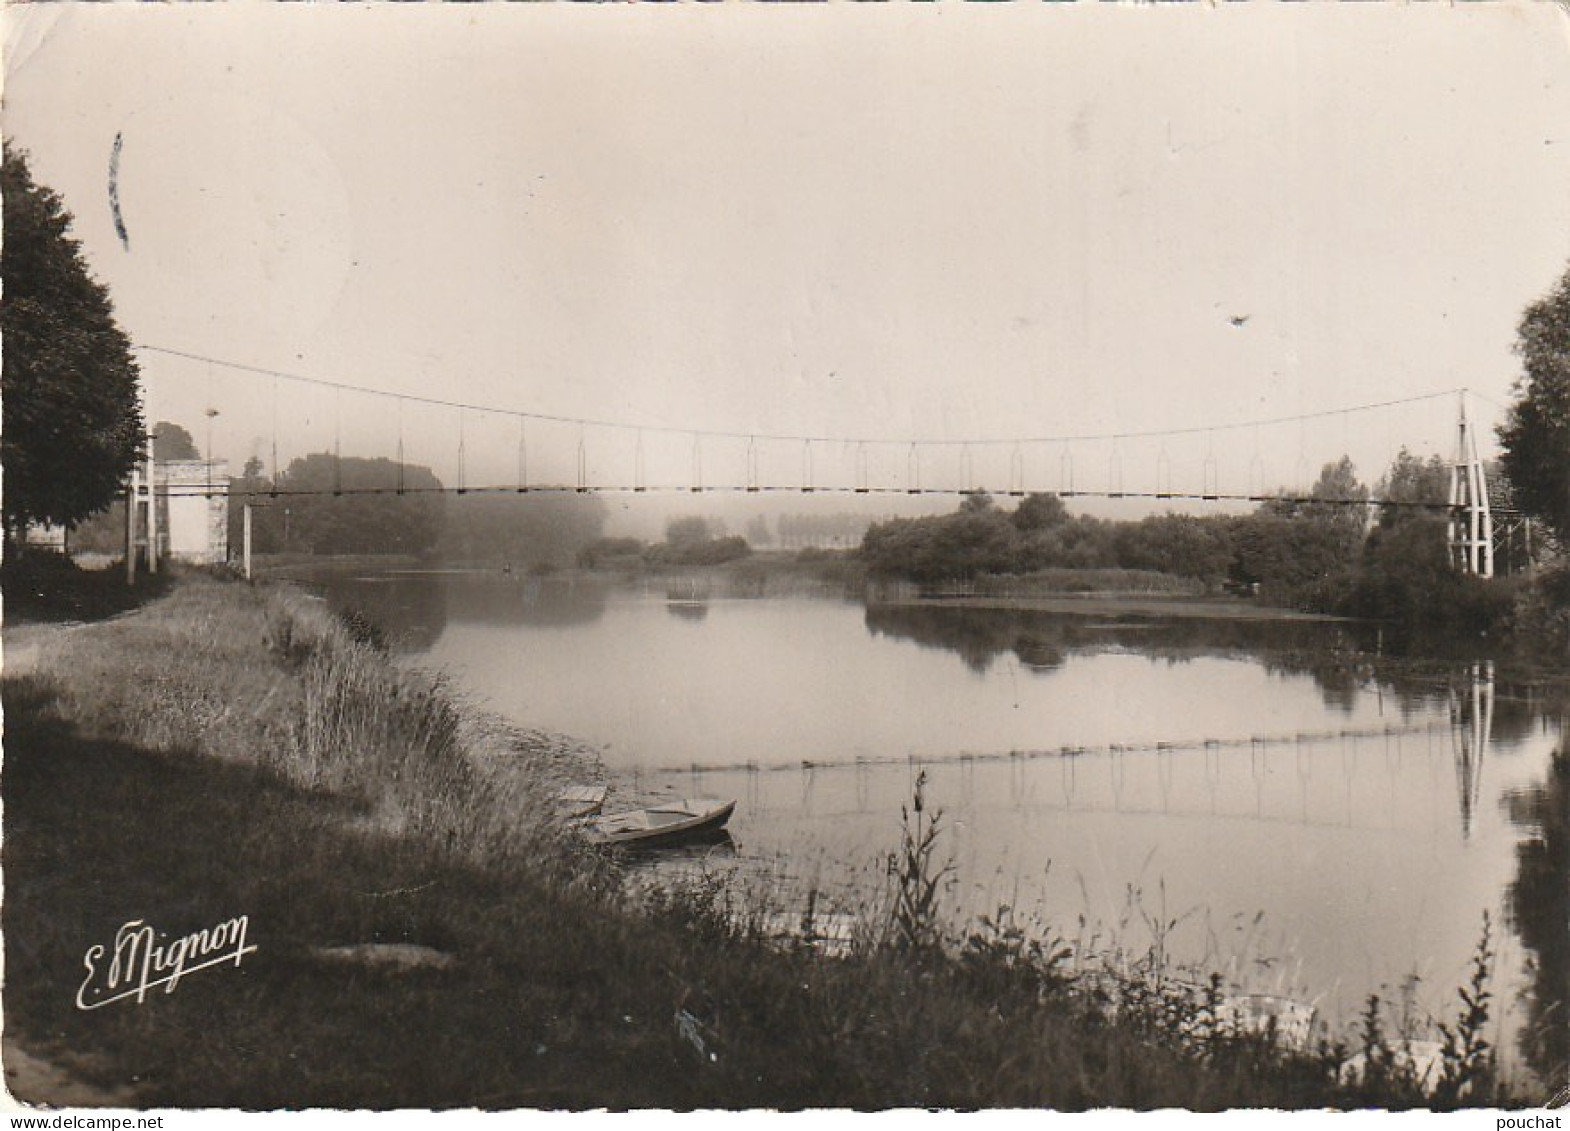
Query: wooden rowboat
{"points": [[687, 819]]}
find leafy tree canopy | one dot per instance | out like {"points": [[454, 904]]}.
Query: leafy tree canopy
{"points": [[539, 529], [695, 540], [1411, 486], [688, 531], [367, 517], [1335, 503], [170, 441], [1039, 512], [1536, 435], [72, 425]]}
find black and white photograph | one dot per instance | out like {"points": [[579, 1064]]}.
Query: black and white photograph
{"points": [[986, 559]]}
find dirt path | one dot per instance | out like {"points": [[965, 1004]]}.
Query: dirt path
{"points": [[24, 644], [33, 1081]]}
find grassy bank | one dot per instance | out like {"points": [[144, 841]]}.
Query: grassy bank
{"points": [[42, 587], [1124, 604], [231, 750]]}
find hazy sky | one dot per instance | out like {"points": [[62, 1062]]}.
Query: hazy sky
{"points": [[945, 222]]}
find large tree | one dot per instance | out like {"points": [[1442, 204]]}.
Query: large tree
{"points": [[72, 424], [170, 441], [1414, 488], [1536, 435], [352, 506], [541, 528]]}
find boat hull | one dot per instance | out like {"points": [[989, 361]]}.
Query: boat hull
{"points": [[673, 823]]}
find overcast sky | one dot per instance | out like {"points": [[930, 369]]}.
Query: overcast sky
{"points": [[945, 222]]}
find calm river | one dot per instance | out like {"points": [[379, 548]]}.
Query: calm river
{"points": [[1260, 798]]}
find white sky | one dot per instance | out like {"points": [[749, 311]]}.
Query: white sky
{"points": [[936, 222]]}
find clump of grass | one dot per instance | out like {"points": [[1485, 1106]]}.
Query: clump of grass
{"points": [[1005, 961]]}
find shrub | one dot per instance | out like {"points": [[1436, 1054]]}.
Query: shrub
{"points": [[605, 550], [714, 551], [1539, 618]]}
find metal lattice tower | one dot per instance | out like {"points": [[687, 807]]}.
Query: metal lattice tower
{"points": [[1471, 521]]}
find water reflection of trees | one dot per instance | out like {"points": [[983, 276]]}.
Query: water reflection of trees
{"points": [[407, 612], [510, 599], [1538, 901], [1043, 640], [1335, 656], [410, 610], [979, 636]]}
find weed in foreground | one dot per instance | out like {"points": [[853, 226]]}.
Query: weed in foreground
{"points": [[1469, 1070], [919, 877]]}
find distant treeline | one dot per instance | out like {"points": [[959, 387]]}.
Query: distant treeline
{"points": [[321, 504], [1332, 551], [691, 541], [797, 531], [1284, 545]]}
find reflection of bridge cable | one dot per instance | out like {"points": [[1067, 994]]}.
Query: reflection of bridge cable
{"points": [[1071, 802], [1259, 742], [1256, 770], [345, 386]]}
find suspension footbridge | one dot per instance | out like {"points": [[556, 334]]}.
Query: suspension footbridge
{"points": [[460, 447]]}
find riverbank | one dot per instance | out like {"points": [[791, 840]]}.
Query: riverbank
{"points": [[1100, 592], [1123, 605], [428, 935]]}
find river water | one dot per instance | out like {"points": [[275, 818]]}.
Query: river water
{"points": [[1267, 799]]}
